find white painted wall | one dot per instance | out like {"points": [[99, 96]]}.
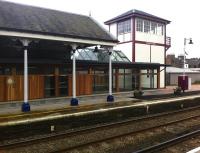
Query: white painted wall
{"points": [[126, 48], [174, 77], [142, 53], [148, 37], [157, 54], [125, 37], [113, 29]]}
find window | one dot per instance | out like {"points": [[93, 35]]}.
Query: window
{"points": [[63, 85], [146, 26], [100, 81], [153, 27], [5, 71], [139, 26], [149, 27], [49, 86], [124, 27], [160, 29]]}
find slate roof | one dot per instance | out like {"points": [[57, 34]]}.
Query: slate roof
{"points": [[25, 18], [136, 13]]}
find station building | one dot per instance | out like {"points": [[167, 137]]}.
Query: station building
{"points": [[142, 38], [46, 53]]}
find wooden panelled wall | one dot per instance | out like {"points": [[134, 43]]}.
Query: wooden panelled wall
{"points": [[84, 84], [12, 87]]}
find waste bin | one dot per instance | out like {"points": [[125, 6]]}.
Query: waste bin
{"points": [[183, 82]]}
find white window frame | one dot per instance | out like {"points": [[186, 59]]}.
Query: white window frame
{"points": [[124, 27], [153, 27], [160, 29], [147, 26], [139, 25]]}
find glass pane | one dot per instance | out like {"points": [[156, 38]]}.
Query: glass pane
{"points": [[5, 71], [139, 26], [101, 55], [145, 81], [63, 85], [121, 82], [49, 86], [100, 82], [146, 26], [49, 70], [34, 70], [136, 81], [155, 81], [128, 82], [64, 70]]}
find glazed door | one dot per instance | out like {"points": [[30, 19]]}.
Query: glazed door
{"points": [[63, 85]]}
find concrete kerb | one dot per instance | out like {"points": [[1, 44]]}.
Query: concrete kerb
{"points": [[59, 116], [61, 102]]}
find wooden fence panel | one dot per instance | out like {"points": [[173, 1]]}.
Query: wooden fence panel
{"points": [[2, 88], [84, 84], [14, 88], [36, 86], [88, 84]]}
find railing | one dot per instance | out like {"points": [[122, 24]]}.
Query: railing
{"points": [[168, 41]]}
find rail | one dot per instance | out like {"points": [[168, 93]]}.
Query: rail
{"points": [[86, 130]]}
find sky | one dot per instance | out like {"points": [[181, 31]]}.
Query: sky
{"points": [[183, 15]]}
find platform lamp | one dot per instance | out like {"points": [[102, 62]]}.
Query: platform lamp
{"points": [[96, 50], [185, 42]]}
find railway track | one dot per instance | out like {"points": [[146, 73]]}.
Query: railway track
{"points": [[61, 135], [169, 143], [146, 150]]}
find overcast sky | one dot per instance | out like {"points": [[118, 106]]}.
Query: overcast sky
{"points": [[183, 15]]}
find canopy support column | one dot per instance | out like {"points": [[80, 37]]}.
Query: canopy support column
{"points": [[110, 97], [74, 100], [25, 105]]}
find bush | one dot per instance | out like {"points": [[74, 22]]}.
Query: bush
{"points": [[177, 91], [138, 93]]}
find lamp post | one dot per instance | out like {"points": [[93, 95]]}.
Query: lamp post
{"points": [[184, 52]]}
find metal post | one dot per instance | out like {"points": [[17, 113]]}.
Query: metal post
{"points": [[184, 81], [110, 73], [74, 100], [25, 106], [184, 59], [25, 76], [110, 97], [74, 75]]}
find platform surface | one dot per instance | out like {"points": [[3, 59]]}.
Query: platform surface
{"points": [[98, 100]]}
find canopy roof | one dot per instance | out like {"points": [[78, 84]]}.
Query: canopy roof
{"points": [[29, 19], [101, 55], [136, 13]]}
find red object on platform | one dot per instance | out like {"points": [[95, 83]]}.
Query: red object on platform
{"points": [[183, 82]]}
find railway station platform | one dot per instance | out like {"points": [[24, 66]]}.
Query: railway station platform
{"points": [[98, 100]]}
